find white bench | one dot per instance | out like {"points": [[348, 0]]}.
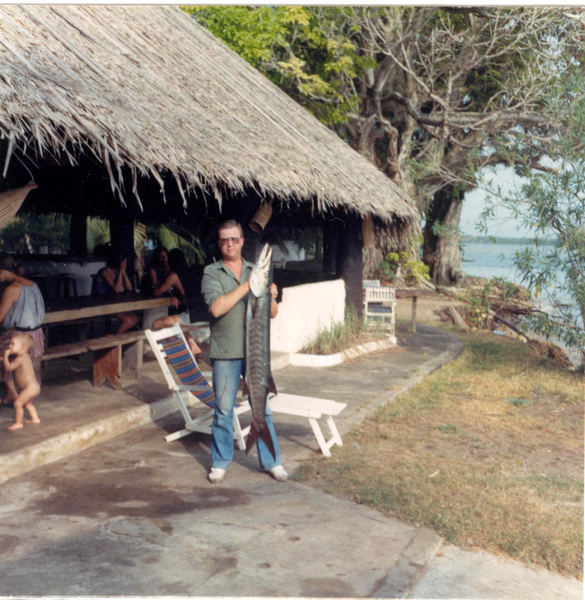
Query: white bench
{"points": [[313, 409], [287, 404]]}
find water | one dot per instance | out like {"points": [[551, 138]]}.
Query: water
{"points": [[491, 260], [497, 260]]}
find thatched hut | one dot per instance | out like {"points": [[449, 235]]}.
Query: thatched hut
{"points": [[141, 109]]}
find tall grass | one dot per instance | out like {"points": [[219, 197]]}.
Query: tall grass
{"points": [[344, 334]]}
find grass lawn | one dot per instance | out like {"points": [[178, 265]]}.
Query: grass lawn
{"points": [[487, 451]]}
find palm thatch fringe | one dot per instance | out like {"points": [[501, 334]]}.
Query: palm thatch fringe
{"points": [[11, 201], [147, 87]]}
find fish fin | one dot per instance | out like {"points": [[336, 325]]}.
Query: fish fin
{"points": [[272, 386], [245, 390], [263, 434]]}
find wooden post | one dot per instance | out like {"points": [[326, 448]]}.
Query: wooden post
{"points": [[330, 244], [78, 232], [350, 262], [132, 361], [107, 364], [122, 234], [414, 313]]}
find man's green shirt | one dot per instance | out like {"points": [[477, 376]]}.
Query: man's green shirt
{"points": [[227, 331]]}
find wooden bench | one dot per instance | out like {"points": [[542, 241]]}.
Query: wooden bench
{"points": [[116, 358], [110, 362]]}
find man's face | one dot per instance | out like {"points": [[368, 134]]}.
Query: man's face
{"points": [[230, 242]]}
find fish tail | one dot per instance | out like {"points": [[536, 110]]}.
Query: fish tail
{"points": [[260, 433], [252, 437]]}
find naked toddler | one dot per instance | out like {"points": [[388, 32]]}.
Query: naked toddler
{"points": [[24, 377]]}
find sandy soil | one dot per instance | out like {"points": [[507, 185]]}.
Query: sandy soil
{"points": [[429, 308]]}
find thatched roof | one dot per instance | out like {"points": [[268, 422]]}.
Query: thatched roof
{"points": [[147, 87]]}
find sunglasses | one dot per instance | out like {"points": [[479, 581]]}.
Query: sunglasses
{"points": [[226, 241]]}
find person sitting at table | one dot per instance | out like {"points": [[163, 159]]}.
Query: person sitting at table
{"points": [[172, 285], [112, 279], [22, 308], [156, 271]]}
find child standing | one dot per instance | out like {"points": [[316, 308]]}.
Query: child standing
{"points": [[24, 377]]}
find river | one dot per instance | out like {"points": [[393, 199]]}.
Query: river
{"points": [[489, 260]]}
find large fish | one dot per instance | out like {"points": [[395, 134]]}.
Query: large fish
{"points": [[259, 380]]}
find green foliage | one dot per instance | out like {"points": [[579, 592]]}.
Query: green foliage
{"points": [[480, 305], [448, 428], [550, 202], [405, 264], [45, 232], [518, 401], [168, 235], [98, 232], [312, 59]]}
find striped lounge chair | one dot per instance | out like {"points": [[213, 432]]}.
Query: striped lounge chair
{"points": [[174, 356]]}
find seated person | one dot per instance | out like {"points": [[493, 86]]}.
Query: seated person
{"points": [[172, 285], [156, 272], [112, 279]]}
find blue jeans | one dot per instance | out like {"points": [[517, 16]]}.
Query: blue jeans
{"points": [[226, 378]]}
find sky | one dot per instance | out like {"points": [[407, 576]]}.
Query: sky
{"points": [[504, 224]]}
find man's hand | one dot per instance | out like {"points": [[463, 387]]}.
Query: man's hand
{"points": [[175, 301], [273, 291]]}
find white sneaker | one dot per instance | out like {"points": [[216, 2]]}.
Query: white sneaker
{"points": [[278, 473], [216, 475]]}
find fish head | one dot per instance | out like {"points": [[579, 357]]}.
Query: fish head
{"points": [[261, 272]]}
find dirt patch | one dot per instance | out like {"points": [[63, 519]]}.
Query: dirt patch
{"points": [[429, 308]]}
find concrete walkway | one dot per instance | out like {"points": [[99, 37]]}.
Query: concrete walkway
{"points": [[94, 502]]}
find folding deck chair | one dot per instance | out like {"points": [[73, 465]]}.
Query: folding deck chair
{"points": [[170, 345]]}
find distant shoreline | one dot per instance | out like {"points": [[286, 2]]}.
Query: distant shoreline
{"points": [[487, 239]]}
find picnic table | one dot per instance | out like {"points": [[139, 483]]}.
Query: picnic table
{"points": [[66, 310], [115, 357]]}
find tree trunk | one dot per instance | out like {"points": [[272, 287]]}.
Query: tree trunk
{"points": [[441, 240], [372, 253]]}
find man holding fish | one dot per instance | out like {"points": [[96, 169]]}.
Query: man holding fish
{"points": [[241, 303]]}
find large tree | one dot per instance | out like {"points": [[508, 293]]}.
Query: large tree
{"points": [[423, 92], [548, 200]]}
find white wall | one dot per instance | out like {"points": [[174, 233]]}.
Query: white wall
{"points": [[82, 270], [303, 311]]}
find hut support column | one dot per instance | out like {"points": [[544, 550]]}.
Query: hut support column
{"points": [[122, 235], [330, 244], [78, 229], [78, 233], [350, 262]]}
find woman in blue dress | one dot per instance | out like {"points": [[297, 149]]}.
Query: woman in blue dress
{"points": [[112, 279], [22, 308]]}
